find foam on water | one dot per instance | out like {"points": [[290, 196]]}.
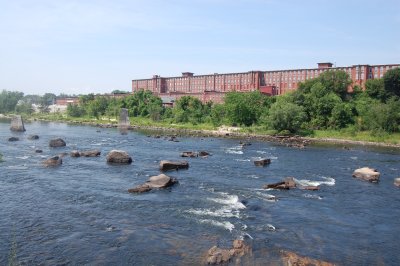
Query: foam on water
{"points": [[233, 151], [267, 197], [22, 157], [224, 212], [227, 225], [231, 200], [310, 196], [242, 160], [305, 182], [261, 152]]}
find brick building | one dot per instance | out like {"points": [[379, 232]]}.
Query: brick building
{"points": [[213, 87]]}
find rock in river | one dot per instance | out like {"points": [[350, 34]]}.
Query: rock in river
{"points": [[75, 153], [159, 181], [57, 143], [291, 258], [118, 157], [53, 161], [90, 153], [287, 183], [397, 182], [262, 162], [216, 255], [13, 139], [33, 137], [367, 174], [190, 154], [173, 165]]}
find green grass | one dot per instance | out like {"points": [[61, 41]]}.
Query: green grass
{"points": [[344, 134], [389, 138]]}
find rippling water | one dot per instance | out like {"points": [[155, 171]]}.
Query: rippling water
{"points": [[81, 212]]}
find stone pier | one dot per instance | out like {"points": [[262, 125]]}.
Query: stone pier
{"points": [[17, 124], [124, 122]]}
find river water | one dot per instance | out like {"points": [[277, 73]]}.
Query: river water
{"points": [[81, 212]]}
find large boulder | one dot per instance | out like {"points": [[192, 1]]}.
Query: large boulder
{"points": [[397, 182], [159, 181], [53, 161], [13, 139], [17, 124], [262, 162], [367, 174], [287, 183], [216, 255], [118, 157], [173, 165], [90, 153], [58, 142]]}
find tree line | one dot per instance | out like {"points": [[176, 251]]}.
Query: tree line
{"points": [[324, 102]]}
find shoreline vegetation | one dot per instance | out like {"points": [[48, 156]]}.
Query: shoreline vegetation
{"points": [[336, 137], [327, 108]]}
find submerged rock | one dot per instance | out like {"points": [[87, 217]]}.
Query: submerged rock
{"points": [[173, 165], [290, 258], [312, 188], [367, 174], [53, 161], [75, 153], [159, 181], [90, 153], [216, 255], [38, 151], [203, 153], [13, 139], [118, 157], [262, 162], [33, 137], [190, 154], [287, 183], [57, 143]]}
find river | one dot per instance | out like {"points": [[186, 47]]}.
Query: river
{"points": [[81, 213]]}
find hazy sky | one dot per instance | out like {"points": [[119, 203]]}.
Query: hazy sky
{"points": [[68, 46]]}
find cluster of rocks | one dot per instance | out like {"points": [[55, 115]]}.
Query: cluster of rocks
{"points": [[216, 255], [293, 141], [30, 137]]}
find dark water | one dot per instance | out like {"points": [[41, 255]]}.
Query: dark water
{"points": [[81, 213]]}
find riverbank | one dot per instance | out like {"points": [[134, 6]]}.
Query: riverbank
{"points": [[321, 136]]}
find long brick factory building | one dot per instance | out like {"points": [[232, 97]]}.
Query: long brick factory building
{"points": [[213, 87]]}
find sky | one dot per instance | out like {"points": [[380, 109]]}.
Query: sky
{"points": [[96, 46]]}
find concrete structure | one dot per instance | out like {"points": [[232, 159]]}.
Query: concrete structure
{"points": [[213, 87]]}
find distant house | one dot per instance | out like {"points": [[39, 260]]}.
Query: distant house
{"points": [[67, 100]]}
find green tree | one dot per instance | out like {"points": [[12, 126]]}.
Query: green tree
{"points": [[391, 81], [75, 110], [285, 115], [9, 100], [245, 108], [342, 116], [189, 109], [217, 115], [336, 81], [375, 88]]}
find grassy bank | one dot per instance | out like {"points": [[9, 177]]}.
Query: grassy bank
{"points": [[344, 134]]}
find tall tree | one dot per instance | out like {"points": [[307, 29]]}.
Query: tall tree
{"points": [[391, 80]]}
